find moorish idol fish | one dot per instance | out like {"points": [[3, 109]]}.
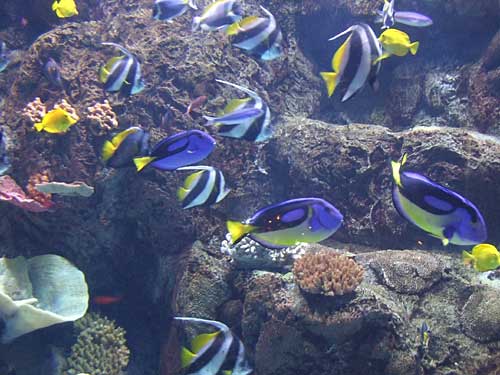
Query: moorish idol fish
{"points": [[179, 150], [353, 63], [218, 15], [205, 187], [219, 352], [122, 73], [167, 10], [288, 223], [439, 211], [120, 151]]}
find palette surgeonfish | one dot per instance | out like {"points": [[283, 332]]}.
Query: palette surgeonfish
{"points": [[289, 223], [218, 15], [387, 14], [353, 63], [205, 187], [215, 353], [396, 42], [252, 128], [258, 36], [179, 150], [122, 73], [121, 150], [439, 211], [167, 10]]}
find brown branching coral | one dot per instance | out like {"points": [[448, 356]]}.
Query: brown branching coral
{"points": [[35, 110], [39, 178], [104, 116], [327, 273]]}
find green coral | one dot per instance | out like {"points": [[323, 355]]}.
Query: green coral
{"points": [[100, 348]]}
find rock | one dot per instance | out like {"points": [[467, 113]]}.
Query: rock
{"points": [[409, 272], [481, 315]]}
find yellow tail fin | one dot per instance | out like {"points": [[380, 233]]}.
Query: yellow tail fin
{"points": [[140, 163], [330, 79], [108, 149], [39, 126], [238, 230], [414, 47], [467, 258], [187, 357]]}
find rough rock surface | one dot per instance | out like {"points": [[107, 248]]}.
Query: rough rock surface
{"points": [[481, 315]]}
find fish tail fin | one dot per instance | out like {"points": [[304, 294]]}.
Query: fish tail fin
{"points": [[414, 47], [396, 168], [196, 23], [187, 357], [192, 4], [330, 79], [238, 230], [141, 163], [467, 257], [38, 126], [108, 149]]}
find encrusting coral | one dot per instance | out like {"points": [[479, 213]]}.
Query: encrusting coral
{"points": [[327, 273], [100, 348], [103, 114], [35, 110], [64, 105], [39, 178]]}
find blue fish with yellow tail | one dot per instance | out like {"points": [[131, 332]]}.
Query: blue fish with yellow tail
{"points": [[204, 187], [167, 10], [439, 211], [121, 150], [289, 223], [214, 353], [179, 150]]}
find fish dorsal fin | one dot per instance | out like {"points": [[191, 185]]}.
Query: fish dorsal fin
{"points": [[237, 27], [187, 357], [190, 180], [234, 104], [106, 69], [120, 137], [339, 55], [202, 341]]}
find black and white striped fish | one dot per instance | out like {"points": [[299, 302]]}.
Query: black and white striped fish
{"points": [[220, 352], [353, 61], [257, 35], [167, 10], [254, 129], [122, 73], [205, 187], [218, 15]]}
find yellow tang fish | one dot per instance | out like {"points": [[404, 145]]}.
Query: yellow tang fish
{"points": [[484, 257], [56, 121], [396, 42], [65, 8]]}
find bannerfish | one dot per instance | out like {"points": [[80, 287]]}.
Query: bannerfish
{"points": [[257, 35], [387, 14], [218, 15], [167, 10], [425, 334], [64, 8], [439, 211], [353, 63], [253, 129], [409, 18], [122, 73], [4, 56], [396, 42], [219, 352], [484, 257], [52, 71], [236, 117], [121, 150], [288, 223], [179, 150], [56, 121], [205, 187]]}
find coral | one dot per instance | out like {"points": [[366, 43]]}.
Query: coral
{"points": [[100, 348], [35, 110], [64, 105], [327, 273], [39, 178], [104, 116], [11, 192]]}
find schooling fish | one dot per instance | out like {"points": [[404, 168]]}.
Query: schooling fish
{"points": [[52, 71], [205, 187], [484, 257], [236, 117], [387, 14], [218, 15], [353, 62], [64, 8], [396, 42], [439, 211], [56, 121], [257, 35], [220, 352], [167, 10], [122, 73], [288, 223], [179, 150], [409, 18], [124, 147], [254, 129]]}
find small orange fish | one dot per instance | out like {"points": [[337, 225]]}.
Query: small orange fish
{"points": [[196, 103], [106, 300]]}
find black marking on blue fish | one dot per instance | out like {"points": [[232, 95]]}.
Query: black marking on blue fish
{"points": [[269, 220], [165, 11]]}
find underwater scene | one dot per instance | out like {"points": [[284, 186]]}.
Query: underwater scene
{"points": [[249, 187]]}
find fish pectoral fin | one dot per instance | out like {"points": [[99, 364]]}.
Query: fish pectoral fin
{"points": [[414, 47], [141, 163], [467, 258], [187, 357], [384, 56], [448, 232], [238, 230], [330, 79]]}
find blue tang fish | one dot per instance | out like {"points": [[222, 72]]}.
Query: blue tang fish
{"points": [[288, 223], [439, 211], [179, 150]]}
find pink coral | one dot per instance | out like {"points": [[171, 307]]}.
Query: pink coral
{"points": [[12, 193]]}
